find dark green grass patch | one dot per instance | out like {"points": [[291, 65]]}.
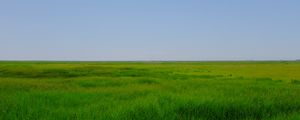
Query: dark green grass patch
{"points": [[295, 81]]}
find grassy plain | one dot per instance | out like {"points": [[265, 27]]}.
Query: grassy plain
{"points": [[149, 90]]}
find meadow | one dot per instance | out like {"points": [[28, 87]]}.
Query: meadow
{"points": [[245, 90]]}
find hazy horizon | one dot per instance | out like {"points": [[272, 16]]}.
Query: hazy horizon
{"points": [[149, 30]]}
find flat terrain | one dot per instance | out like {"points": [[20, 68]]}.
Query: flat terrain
{"points": [[149, 90]]}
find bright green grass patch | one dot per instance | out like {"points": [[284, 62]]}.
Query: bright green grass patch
{"points": [[149, 90]]}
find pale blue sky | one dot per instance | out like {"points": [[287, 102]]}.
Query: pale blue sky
{"points": [[149, 29]]}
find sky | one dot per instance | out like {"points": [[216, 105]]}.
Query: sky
{"points": [[103, 30]]}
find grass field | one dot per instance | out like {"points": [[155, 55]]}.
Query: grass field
{"points": [[149, 90]]}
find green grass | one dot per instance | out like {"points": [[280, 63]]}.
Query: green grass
{"points": [[149, 90]]}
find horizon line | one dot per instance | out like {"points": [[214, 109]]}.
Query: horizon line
{"points": [[242, 60]]}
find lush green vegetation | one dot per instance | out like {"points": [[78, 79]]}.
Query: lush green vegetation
{"points": [[149, 90]]}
